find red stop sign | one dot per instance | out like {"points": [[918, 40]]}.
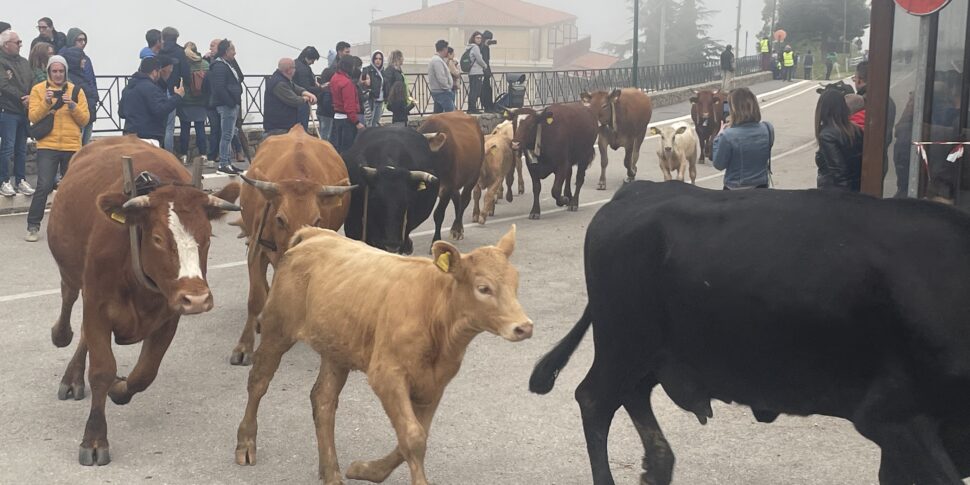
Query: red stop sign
{"points": [[922, 7]]}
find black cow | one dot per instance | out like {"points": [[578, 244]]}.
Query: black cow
{"points": [[393, 166], [553, 141], [794, 302]]}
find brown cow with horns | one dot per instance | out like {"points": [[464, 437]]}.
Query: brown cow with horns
{"points": [[295, 180], [135, 299]]}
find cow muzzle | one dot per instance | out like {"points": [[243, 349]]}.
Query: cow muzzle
{"points": [[668, 149], [518, 332], [191, 303]]}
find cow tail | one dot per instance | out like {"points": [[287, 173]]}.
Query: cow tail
{"points": [[547, 369]]}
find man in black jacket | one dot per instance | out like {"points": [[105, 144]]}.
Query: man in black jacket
{"points": [[181, 75], [283, 100], [727, 69], [225, 87], [486, 96], [45, 26], [305, 79], [144, 104]]}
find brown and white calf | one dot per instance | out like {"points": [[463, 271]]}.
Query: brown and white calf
{"points": [[404, 321], [499, 161]]}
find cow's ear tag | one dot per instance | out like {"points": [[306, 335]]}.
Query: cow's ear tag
{"points": [[548, 121], [443, 261], [422, 186], [118, 217]]}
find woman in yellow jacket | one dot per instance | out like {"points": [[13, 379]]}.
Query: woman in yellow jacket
{"points": [[54, 150]]}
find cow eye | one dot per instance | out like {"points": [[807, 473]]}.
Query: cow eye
{"points": [[484, 290], [280, 221], [157, 240]]}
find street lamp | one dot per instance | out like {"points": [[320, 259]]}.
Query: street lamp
{"points": [[636, 42]]}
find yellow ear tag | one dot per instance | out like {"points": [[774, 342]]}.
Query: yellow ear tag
{"points": [[443, 262], [548, 121], [118, 217], [422, 186]]}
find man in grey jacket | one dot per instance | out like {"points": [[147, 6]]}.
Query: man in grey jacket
{"points": [[476, 75], [439, 79], [16, 79]]}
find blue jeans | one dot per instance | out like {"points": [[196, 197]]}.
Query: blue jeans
{"points": [[375, 109], [227, 122], [170, 133], [344, 134], [326, 128], [185, 134], [49, 164], [444, 101], [86, 133], [303, 113], [13, 144]]}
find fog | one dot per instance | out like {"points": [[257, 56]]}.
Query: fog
{"points": [[116, 28]]}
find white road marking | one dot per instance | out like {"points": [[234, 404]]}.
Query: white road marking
{"points": [[185, 245]]}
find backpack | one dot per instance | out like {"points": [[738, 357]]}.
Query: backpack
{"points": [[197, 86], [466, 60]]}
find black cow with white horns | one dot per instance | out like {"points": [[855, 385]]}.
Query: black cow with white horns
{"points": [[791, 302], [392, 165]]}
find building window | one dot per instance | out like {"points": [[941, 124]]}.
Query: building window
{"points": [[562, 35]]}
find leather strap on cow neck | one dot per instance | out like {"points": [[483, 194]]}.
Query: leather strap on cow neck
{"points": [[538, 150], [613, 115], [269, 245], [133, 239], [366, 199]]}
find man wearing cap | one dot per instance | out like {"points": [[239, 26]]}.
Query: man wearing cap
{"points": [[16, 79]]}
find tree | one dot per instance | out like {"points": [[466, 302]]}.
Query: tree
{"points": [[821, 20], [686, 33]]}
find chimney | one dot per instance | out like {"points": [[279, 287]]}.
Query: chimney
{"points": [[424, 3]]}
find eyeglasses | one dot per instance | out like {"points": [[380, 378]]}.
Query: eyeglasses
{"points": [[42, 27]]}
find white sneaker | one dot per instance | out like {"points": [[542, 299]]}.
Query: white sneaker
{"points": [[24, 188], [6, 189], [32, 235]]}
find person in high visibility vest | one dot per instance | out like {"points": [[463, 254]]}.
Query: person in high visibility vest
{"points": [[788, 62], [765, 48]]}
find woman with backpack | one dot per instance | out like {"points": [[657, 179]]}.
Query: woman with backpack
{"points": [[396, 90], [476, 71], [60, 108], [743, 149], [194, 103]]}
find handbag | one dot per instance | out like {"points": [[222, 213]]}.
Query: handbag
{"points": [[45, 125]]}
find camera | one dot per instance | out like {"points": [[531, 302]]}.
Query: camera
{"points": [[491, 42]]}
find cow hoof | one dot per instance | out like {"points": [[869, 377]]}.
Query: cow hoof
{"points": [[508, 196], [241, 358], [71, 390], [480, 220], [534, 216], [562, 201], [61, 339], [365, 470], [458, 235], [491, 213], [246, 454], [521, 190], [119, 392], [601, 186], [572, 208], [93, 456]]}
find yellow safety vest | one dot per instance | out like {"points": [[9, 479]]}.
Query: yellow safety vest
{"points": [[764, 46], [789, 59]]}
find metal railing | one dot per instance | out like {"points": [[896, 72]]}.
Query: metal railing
{"points": [[542, 88]]}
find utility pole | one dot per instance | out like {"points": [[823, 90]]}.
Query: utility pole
{"points": [[845, 11], [636, 43], [663, 32], [737, 33], [774, 12]]}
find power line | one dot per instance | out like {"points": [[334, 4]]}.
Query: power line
{"points": [[251, 31]]}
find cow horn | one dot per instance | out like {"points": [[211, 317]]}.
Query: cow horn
{"points": [[369, 172], [221, 204], [327, 190], [140, 201], [430, 136], [268, 188], [419, 176]]}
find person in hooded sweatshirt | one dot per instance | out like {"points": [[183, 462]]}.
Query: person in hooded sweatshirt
{"points": [[144, 105], [373, 83], [70, 107], [82, 73]]}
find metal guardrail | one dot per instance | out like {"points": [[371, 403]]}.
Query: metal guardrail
{"points": [[542, 88]]}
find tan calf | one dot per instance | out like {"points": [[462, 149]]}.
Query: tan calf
{"points": [[507, 130], [404, 321], [498, 163], [677, 150]]}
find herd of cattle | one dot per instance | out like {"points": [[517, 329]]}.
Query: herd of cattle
{"points": [[794, 302]]}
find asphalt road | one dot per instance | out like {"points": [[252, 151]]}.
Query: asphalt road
{"points": [[489, 429]]}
